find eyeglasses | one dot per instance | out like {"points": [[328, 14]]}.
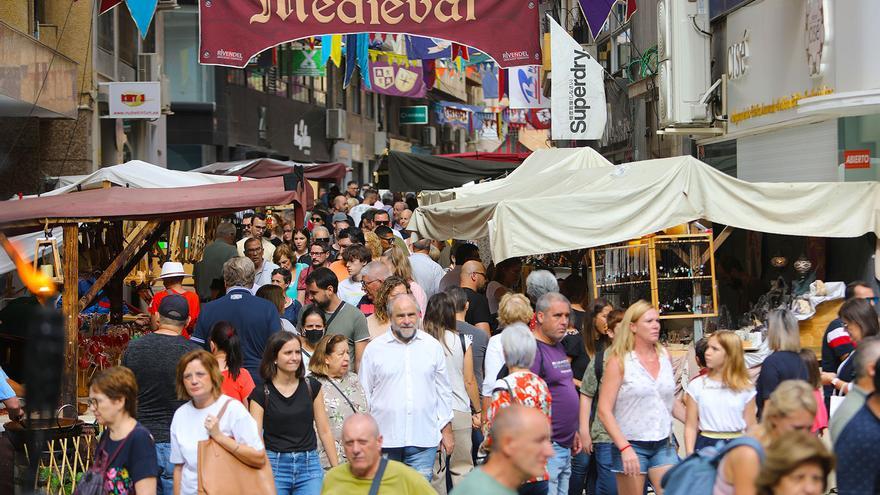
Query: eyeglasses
{"points": [[481, 273], [873, 300], [388, 239], [366, 284], [93, 401], [321, 239], [317, 219], [382, 222]]}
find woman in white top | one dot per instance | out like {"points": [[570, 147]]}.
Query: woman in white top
{"points": [[720, 405], [199, 380], [512, 308], [439, 322], [397, 259], [635, 402]]}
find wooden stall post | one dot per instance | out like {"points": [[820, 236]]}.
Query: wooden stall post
{"points": [[70, 310]]}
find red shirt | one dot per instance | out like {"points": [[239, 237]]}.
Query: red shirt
{"points": [[239, 389], [191, 298]]}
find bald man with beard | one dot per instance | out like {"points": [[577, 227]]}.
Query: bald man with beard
{"points": [[473, 280]]}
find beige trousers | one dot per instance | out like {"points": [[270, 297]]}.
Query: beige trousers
{"points": [[460, 463]]}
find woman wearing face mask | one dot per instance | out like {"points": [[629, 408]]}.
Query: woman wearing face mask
{"points": [[312, 330], [289, 410], [343, 394]]}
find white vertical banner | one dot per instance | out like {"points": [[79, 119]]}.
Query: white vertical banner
{"points": [[577, 89]]}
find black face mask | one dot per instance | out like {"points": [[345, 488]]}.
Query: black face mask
{"points": [[313, 336]]}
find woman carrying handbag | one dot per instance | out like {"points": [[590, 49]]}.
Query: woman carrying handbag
{"points": [[288, 409], [215, 445]]}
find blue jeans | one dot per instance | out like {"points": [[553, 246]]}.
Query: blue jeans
{"points": [[653, 453], [606, 482], [419, 458], [165, 479], [580, 464], [559, 467], [296, 472]]}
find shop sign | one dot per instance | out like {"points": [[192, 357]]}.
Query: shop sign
{"points": [[452, 114], [307, 62], [815, 36], [738, 58], [778, 105], [417, 115], [233, 32], [525, 88], [134, 100], [301, 138], [857, 159], [578, 90]]}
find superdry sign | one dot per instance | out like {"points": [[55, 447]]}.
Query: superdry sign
{"points": [[232, 31]]}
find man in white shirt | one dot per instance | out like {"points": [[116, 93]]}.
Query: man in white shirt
{"points": [[262, 268], [403, 373], [257, 227], [426, 272]]}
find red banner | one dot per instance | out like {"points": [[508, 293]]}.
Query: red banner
{"points": [[232, 31]]}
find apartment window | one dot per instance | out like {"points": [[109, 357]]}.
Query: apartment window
{"points": [[128, 40], [188, 80], [107, 30]]}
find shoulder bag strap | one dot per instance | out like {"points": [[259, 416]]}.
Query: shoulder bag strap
{"points": [[377, 480], [350, 404], [222, 410], [102, 443], [309, 387], [463, 345], [333, 316]]}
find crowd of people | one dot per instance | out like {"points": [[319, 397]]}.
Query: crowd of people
{"points": [[347, 357]]}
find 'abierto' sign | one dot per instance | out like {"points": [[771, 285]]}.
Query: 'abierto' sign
{"points": [[857, 159], [134, 100]]}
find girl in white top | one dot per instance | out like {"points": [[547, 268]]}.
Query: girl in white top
{"points": [[720, 405], [439, 322], [199, 379], [635, 401]]}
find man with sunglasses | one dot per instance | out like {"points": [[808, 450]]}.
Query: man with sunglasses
{"points": [[473, 280], [256, 230], [837, 343], [319, 251]]}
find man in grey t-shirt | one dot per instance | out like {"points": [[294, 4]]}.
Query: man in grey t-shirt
{"points": [[342, 319]]}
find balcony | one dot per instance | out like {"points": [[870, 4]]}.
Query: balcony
{"points": [[26, 65]]}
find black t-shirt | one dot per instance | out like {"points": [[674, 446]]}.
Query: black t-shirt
{"points": [[577, 319], [288, 422], [153, 360], [574, 348], [135, 461], [478, 311]]}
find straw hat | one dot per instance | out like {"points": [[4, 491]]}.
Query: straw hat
{"points": [[172, 269]]}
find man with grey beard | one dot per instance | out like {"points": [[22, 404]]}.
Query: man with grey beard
{"points": [[403, 373]]}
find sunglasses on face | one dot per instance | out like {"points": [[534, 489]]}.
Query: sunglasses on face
{"points": [[382, 222], [321, 239], [317, 219]]}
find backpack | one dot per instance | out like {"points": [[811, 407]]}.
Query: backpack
{"points": [[695, 475]]}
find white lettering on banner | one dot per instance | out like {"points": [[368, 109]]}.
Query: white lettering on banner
{"points": [[577, 89]]}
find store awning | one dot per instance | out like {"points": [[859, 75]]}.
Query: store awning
{"points": [[492, 157], [412, 172], [569, 210], [120, 203], [261, 168]]}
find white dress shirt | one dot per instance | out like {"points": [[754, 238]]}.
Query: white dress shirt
{"points": [[407, 388], [263, 276], [426, 272]]}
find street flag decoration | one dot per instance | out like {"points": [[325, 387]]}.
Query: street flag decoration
{"points": [[577, 89], [394, 79], [596, 12], [525, 87], [141, 12], [420, 48], [231, 32], [302, 62]]}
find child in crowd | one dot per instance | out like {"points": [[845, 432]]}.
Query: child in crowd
{"points": [[815, 381]]}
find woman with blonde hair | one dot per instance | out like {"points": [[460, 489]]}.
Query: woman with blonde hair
{"points": [[512, 308], [380, 322], [720, 404], [635, 402], [208, 413], [791, 407], [797, 464], [397, 259]]}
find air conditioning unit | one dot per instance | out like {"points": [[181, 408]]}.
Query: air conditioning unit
{"points": [[380, 142], [429, 136], [149, 67], [683, 73], [336, 124]]}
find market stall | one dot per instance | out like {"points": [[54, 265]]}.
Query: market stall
{"points": [[415, 172]]}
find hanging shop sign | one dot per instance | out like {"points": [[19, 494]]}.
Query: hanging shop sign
{"points": [[577, 88], [417, 115], [857, 159], [517, 117], [525, 88], [488, 125], [233, 32], [134, 100], [301, 138], [307, 62], [391, 79], [453, 114]]}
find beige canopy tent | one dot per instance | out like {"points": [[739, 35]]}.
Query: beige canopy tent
{"points": [[574, 209], [540, 162]]}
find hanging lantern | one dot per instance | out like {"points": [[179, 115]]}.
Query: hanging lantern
{"points": [[803, 265], [778, 261], [53, 269]]}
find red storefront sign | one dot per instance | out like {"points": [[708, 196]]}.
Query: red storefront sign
{"points": [[857, 159], [232, 31]]}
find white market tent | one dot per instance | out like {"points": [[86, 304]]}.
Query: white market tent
{"points": [[591, 207], [543, 161], [135, 173]]}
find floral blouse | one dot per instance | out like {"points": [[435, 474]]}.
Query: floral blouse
{"points": [[521, 387], [337, 395]]}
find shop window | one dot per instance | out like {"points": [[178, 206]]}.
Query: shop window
{"points": [[604, 54]]}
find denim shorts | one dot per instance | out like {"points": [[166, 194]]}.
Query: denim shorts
{"points": [[651, 454]]}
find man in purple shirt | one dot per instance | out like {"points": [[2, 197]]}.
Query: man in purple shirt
{"points": [[551, 363]]}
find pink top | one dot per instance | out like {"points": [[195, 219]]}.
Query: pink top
{"points": [[821, 421]]}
